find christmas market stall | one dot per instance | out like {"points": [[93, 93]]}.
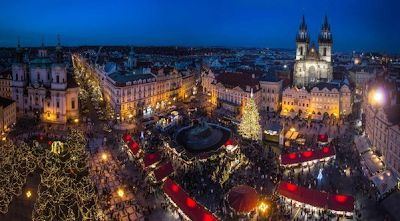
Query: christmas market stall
{"points": [[385, 183], [151, 159], [323, 140], [133, 148], [188, 208], [313, 200], [162, 173], [307, 157]]}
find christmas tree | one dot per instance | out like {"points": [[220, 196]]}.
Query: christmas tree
{"points": [[250, 127]]}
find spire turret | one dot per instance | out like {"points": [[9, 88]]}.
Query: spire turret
{"points": [[325, 36], [59, 52], [303, 36], [19, 53]]}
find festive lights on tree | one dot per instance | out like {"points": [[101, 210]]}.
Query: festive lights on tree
{"points": [[250, 127]]}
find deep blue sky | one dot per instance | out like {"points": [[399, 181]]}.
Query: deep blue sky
{"points": [[369, 25]]}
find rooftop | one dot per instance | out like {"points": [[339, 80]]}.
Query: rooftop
{"points": [[4, 102]]}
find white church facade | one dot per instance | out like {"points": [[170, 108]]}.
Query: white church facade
{"points": [[43, 88], [313, 66]]}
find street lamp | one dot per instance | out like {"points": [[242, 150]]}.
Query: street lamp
{"points": [[292, 129], [378, 96], [120, 193], [28, 194], [263, 207], [104, 156]]}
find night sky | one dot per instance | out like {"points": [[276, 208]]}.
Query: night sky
{"points": [[356, 25]]}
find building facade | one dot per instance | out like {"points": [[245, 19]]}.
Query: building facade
{"points": [[271, 92], [382, 123], [313, 66], [5, 84], [43, 89], [230, 91], [8, 116], [323, 99]]}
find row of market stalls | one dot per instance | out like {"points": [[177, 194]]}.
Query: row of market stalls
{"points": [[315, 200], [304, 115], [384, 180], [307, 157], [159, 173]]}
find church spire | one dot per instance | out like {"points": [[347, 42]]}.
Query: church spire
{"points": [[19, 53], [59, 53], [325, 36], [302, 36]]}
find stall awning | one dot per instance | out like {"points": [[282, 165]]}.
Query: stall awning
{"points": [[151, 159], [296, 158], [294, 135], [323, 138], [164, 171], [384, 181], [288, 114], [133, 146], [362, 144], [126, 137], [190, 207], [231, 141], [316, 198], [340, 203], [372, 161], [288, 134], [317, 117]]}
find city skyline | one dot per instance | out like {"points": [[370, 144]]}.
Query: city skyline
{"points": [[369, 27]]}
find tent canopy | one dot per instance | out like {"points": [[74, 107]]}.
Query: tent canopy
{"points": [[384, 181], [190, 207], [296, 158], [316, 198], [374, 164], [323, 138], [151, 159], [133, 146], [362, 144], [164, 171], [243, 198]]}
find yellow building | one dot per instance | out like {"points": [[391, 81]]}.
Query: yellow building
{"points": [[8, 114], [323, 99], [5, 84]]}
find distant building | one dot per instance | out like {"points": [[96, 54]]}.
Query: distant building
{"points": [[361, 75], [230, 90], [332, 100], [43, 88], [271, 86], [8, 115], [5, 84], [312, 66]]}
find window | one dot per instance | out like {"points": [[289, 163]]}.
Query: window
{"points": [[73, 104], [58, 104], [324, 51], [16, 77], [48, 76], [48, 104], [38, 76], [58, 79]]}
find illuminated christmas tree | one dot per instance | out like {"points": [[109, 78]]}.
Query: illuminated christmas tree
{"points": [[250, 125]]}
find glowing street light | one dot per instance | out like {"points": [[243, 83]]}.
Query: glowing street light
{"points": [[378, 96], [120, 193], [104, 156], [28, 194], [292, 129], [263, 207]]}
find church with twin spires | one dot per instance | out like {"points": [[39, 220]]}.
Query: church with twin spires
{"points": [[43, 89], [313, 65]]}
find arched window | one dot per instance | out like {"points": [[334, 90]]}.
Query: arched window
{"points": [[38, 76], [16, 77], [324, 51], [301, 50], [58, 79]]}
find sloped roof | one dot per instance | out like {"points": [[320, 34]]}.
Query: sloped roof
{"points": [[233, 79]]}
